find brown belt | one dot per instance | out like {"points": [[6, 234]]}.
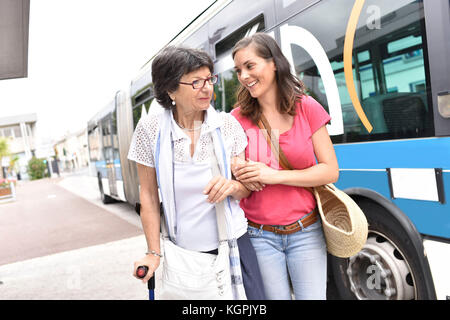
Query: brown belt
{"points": [[291, 228]]}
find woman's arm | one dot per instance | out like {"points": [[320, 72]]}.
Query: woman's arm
{"points": [[150, 217], [219, 187], [325, 171], [239, 162]]}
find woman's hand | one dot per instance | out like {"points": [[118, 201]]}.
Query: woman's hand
{"points": [[238, 163], [219, 188], [151, 262], [255, 172]]}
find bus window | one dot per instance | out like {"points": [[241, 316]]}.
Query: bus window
{"points": [[224, 46], [141, 103], [106, 132], [225, 90], [115, 145], [94, 144], [140, 110], [106, 139], [389, 68], [137, 111], [115, 138]]}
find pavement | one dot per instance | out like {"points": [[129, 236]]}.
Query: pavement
{"points": [[58, 241]]}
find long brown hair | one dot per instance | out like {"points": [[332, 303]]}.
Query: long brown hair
{"points": [[290, 88]]}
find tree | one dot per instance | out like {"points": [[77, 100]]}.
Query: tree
{"points": [[4, 151], [36, 168], [13, 165]]}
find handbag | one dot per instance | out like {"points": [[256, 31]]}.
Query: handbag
{"points": [[344, 223], [193, 275]]}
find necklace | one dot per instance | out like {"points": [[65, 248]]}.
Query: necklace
{"points": [[175, 116], [188, 129]]}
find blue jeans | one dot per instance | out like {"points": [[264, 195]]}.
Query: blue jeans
{"points": [[300, 257]]}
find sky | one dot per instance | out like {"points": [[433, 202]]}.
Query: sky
{"points": [[81, 52]]}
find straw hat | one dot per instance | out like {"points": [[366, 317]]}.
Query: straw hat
{"points": [[344, 223]]}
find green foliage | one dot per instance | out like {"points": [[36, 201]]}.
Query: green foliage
{"points": [[4, 147], [230, 87], [4, 151], [36, 168]]}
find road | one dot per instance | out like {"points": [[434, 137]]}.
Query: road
{"points": [[58, 241]]}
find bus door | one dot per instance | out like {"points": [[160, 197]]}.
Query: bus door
{"points": [[108, 150]]}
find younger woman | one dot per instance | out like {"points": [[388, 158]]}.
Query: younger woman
{"points": [[284, 227]]}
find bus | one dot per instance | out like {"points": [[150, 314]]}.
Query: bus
{"points": [[380, 69]]}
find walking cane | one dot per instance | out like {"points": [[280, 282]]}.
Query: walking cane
{"points": [[141, 272]]}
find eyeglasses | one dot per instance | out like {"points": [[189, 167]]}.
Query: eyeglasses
{"points": [[197, 84]]}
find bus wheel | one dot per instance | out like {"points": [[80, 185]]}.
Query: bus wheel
{"points": [[386, 268], [105, 198]]}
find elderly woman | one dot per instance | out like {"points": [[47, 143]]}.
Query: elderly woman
{"points": [[185, 133]]}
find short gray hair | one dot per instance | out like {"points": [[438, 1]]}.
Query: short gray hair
{"points": [[170, 65]]}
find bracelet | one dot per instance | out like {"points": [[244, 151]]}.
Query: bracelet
{"points": [[156, 254]]}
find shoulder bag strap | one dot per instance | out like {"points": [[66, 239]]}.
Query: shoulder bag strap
{"points": [[224, 228], [220, 210], [266, 130]]}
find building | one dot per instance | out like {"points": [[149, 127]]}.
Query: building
{"points": [[14, 27], [72, 151], [20, 131]]}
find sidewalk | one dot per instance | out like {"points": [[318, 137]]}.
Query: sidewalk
{"points": [[101, 271], [86, 187]]}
